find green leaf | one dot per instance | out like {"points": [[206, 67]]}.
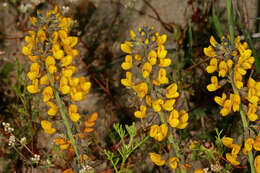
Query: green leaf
{"points": [[6, 69]]}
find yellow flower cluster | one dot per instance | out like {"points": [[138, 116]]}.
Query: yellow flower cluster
{"points": [[146, 65], [157, 159], [249, 144], [51, 50], [232, 62]]}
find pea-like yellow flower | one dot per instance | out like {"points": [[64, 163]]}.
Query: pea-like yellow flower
{"points": [[168, 104], [141, 89], [235, 149], [232, 159], [237, 77], [166, 62], [146, 69], [34, 71], [34, 88], [152, 57], [223, 69], [227, 141], [161, 51], [161, 39], [63, 144], [210, 52], [248, 145], [159, 132], [157, 159], [212, 41], [50, 64], [128, 80], [198, 171], [138, 57], [148, 100], [41, 35], [44, 80], [226, 108], [126, 47], [235, 100], [47, 127], [251, 113], [172, 91], [64, 85], [47, 93], [257, 163], [53, 108], [162, 78], [178, 119], [141, 113], [256, 144], [214, 84], [66, 61], [173, 162], [132, 34], [156, 105], [73, 113], [127, 64], [213, 65], [220, 100]]}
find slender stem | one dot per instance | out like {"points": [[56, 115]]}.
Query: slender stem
{"points": [[64, 117], [230, 20]]}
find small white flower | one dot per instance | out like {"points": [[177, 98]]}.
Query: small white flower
{"points": [[11, 141], [5, 4], [23, 140], [35, 158]]}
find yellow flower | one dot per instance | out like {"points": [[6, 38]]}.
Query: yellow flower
{"points": [[223, 69], [257, 164], [41, 35], [248, 145], [162, 78], [226, 108], [128, 80], [251, 113], [173, 162], [256, 144], [74, 116], [214, 84], [132, 34], [161, 51], [50, 64], [64, 85], [238, 80], [159, 132], [34, 88], [198, 171], [157, 159], [235, 99], [168, 104], [235, 149], [148, 100], [68, 71], [213, 65], [156, 105], [53, 108], [209, 51], [126, 47], [220, 100], [141, 89], [62, 143], [47, 93], [232, 159], [146, 69], [152, 57], [227, 141], [178, 119], [141, 113], [172, 91], [128, 63], [161, 39], [165, 62], [34, 71], [44, 80], [66, 61], [137, 57], [46, 125], [57, 52], [212, 41]]}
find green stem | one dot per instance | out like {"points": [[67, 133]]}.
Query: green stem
{"points": [[64, 117], [230, 20], [176, 150]]}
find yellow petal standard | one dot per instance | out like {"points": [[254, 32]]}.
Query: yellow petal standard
{"points": [[128, 80], [213, 65], [227, 141], [141, 113], [152, 57], [47, 93], [214, 84], [232, 159], [161, 51], [157, 159], [146, 69], [126, 47], [74, 116], [173, 162], [257, 163], [172, 91], [47, 127], [53, 108], [141, 89], [127, 64], [210, 52], [156, 105]]}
